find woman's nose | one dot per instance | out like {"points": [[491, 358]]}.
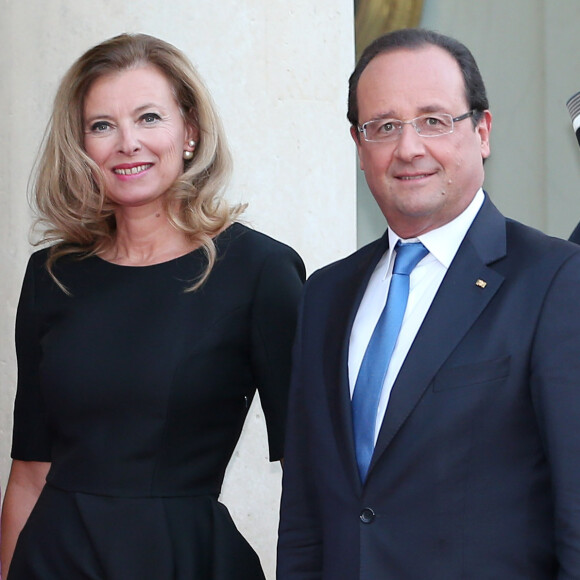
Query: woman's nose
{"points": [[128, 140]]}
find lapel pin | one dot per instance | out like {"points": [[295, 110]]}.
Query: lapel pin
{"points": [[481, 283]]}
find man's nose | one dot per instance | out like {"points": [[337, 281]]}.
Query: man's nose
{"points": [[409, 144]]}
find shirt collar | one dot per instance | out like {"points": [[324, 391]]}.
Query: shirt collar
{"points": [[442, 242]]}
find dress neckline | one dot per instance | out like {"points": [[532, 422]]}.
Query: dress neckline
{"points": [[175, 260]]}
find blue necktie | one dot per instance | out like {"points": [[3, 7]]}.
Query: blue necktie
{"points": [[371, 376]]}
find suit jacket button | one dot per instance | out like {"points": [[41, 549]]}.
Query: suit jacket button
{"points": [[367, 516]]}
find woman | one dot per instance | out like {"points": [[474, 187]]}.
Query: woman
{"points": [[142, 333]]}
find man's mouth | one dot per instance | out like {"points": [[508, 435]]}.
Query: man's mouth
{"points": [[412, 177]]}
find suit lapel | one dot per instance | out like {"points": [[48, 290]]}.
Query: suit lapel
{"points": [[347, 298], [466, 290]]}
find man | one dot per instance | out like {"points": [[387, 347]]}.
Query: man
{"points": [[474, 465]]}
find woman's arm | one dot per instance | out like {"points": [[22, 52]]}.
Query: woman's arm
{"points": [[27, 478], [274, 314]]}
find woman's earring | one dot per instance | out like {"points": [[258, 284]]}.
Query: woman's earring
{"points": [[187, 155]]}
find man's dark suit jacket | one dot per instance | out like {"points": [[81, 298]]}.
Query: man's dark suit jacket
{"points": [[476, 472]]}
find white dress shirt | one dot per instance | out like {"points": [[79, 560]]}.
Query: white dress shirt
{"points": [[425, 280]]}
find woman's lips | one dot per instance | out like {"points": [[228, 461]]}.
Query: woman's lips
{"points": [[132, 169]]}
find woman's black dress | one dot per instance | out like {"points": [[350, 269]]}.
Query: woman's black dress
{"points": [[136, 392]]}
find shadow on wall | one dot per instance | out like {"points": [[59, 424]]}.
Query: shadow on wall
{"points": [[376, 17], [372, 19]]}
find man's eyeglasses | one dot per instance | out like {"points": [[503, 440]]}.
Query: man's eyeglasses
{"points": [[429, 125]]}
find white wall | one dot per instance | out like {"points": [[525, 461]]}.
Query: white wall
{"points": [[529, 55], [278, 72]]}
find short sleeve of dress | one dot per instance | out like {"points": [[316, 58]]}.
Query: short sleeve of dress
{"points": [[31, 439], [274, 314]]}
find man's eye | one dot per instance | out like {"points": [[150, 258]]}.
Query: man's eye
{"points": [[433, 121], [386, 127]]}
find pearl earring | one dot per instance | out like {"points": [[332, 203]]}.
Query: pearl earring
{"points": [[187, 155]]}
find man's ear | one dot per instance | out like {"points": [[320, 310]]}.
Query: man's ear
{"points": [[355, 134], [484, 129]]}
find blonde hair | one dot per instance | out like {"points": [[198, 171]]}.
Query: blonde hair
{"points": [[68, 189]]}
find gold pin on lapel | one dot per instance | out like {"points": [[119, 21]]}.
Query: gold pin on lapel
{"points": [[481, 283]]}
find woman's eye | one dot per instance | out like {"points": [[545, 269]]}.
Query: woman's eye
{"points": [[149, 118], [100, 127]]}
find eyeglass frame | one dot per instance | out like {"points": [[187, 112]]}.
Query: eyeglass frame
{"points": [[362, 128]]}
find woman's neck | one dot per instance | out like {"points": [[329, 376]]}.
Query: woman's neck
{"points": [[144, 237]]}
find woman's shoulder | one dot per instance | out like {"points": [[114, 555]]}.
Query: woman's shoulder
{"points": [[41, 257], [246, 250], [240, 237], [60, 272], [37, 262]]}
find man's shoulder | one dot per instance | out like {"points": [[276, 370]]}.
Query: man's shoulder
{"points": [[355, 264], [537, 243], [498, 236], [534, 260]]}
